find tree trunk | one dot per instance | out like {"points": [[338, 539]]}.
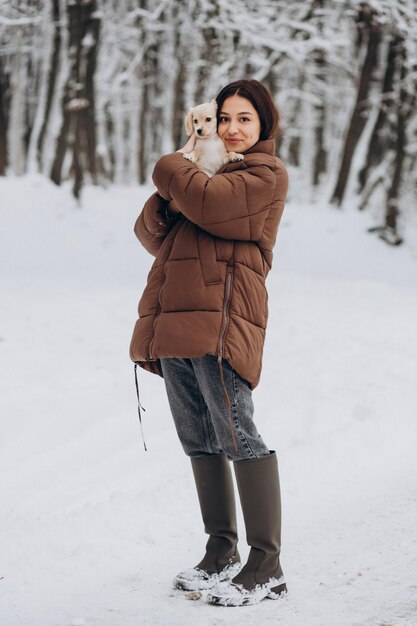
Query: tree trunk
{"points": [[78, 124], [320, 156], [143, 114], [61, 144], [147, 73], [295, 139], [52, 76], [392, 209], [179, 105], [146, 134], [88, 117], [319, 57], [367, 21], [4, 118], [405, 106], [17, 126], [378, 142], [271, 82]]}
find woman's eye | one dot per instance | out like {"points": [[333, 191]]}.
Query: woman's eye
{"points": [[241, 119], [208, 119]]}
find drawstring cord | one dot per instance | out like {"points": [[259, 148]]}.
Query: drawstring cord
{"points": [[227, 400], [139, 407]]}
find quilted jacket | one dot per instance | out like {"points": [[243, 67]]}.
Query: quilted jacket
{"points": [[205, 292]]}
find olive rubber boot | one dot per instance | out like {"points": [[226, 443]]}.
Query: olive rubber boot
{"points": [[214, 483], [261, 576]]}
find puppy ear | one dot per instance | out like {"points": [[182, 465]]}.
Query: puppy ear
{"points": [[214, 103], [188, 121]]}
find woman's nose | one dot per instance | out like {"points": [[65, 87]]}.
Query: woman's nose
{"points": [[233, 127]]}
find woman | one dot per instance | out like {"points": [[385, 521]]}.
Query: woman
{"points": [[202, 321]]}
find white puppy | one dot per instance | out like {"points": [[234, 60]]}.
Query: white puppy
{"points": [[209, 152]]}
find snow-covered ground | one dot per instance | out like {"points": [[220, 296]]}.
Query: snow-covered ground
{"points": [[93, 528]]}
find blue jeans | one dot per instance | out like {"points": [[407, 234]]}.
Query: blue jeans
{"points": [[199, 408]]}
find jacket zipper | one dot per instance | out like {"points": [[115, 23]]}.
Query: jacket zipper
{"points": [[225, 324], [225, 320], [158, 310]]}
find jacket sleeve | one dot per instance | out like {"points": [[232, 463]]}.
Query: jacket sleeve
{"points": [[153, 223], [231, 205]]}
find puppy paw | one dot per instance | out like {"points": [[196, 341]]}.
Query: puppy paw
{"points": [[235, 156], [190, 156]]}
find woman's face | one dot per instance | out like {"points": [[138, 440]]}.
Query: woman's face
{"points": [[239, 125]]}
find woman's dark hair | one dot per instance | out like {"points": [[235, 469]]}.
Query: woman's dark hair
{"points": [[261, 100]]}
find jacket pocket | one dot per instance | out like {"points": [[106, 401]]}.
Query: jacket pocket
{"points": [[208, 258]]}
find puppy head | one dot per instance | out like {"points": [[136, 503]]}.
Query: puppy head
{"points": [[202, 120]]}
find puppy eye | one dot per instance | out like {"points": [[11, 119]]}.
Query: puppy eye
{"points": [[208, 119], [195, 121]]}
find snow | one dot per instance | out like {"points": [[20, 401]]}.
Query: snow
{"points": [[93, 528]]}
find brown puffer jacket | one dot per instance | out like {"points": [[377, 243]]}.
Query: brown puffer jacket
{"points": [[206, 289]]}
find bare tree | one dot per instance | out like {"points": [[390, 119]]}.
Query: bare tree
{"points": [[369, 36], [78, 132], [4, 117], [52, 78]]}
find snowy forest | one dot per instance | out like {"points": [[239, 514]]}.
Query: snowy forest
{"points": [[96, 90]]}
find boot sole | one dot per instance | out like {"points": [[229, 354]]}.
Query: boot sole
{"points": [[228, 573], [261, 592]]}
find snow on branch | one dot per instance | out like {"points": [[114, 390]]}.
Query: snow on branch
{"points": [[19, 21], [151, 16]]}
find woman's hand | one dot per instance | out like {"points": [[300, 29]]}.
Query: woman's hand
{"points": [[189, 146]]}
